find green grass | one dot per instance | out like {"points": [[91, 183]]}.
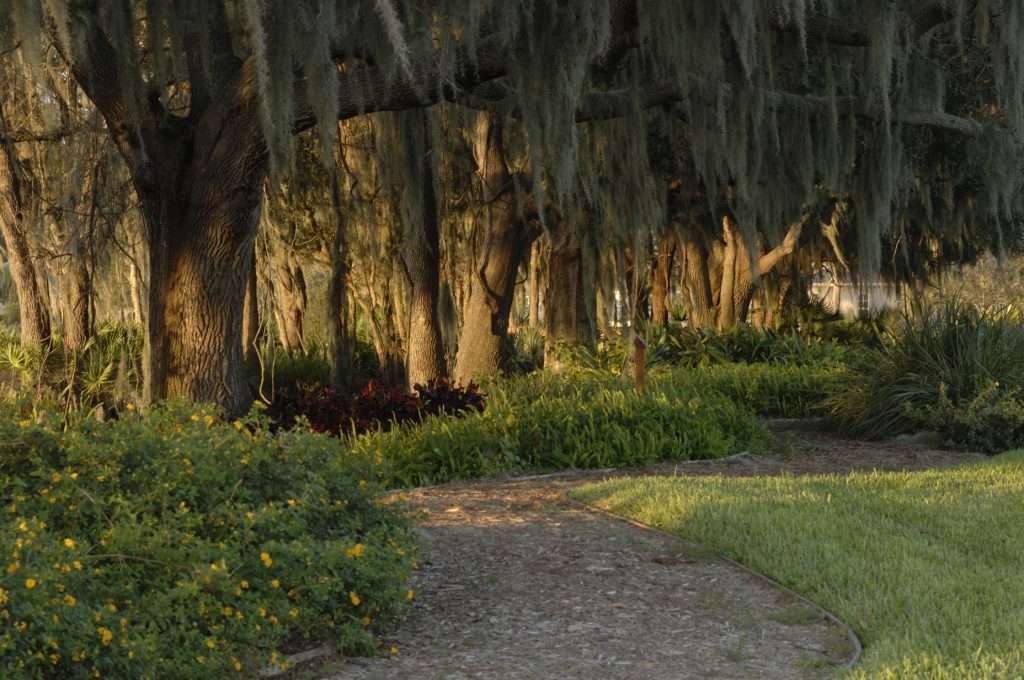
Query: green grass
{"points": [[925, 566]]}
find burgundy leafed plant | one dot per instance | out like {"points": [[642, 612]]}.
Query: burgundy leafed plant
{"points": [[375, 406]]}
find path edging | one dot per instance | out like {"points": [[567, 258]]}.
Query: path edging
{"points": [[832, 618]]}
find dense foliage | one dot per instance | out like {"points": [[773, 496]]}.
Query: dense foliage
{"points": [[177, 545], [935, 370], [376, 406]]}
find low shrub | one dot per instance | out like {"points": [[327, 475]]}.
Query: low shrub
{"points": [[376, 406], [992, 422], [777, 390], [546, 421], [177, 545]]}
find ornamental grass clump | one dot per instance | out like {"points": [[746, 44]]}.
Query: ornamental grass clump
{"points": [[178, 545], [942, 358]]}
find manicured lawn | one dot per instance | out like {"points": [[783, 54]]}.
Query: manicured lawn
{"points": [[927, 567]]}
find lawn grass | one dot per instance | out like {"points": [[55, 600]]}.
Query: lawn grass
{"points": [[927, 567]]}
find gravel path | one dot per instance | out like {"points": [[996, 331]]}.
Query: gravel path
{"points": [[520, 582]]}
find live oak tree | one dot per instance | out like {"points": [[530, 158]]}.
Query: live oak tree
{"points": [[774, 102]]}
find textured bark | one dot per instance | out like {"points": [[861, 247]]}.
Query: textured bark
{"points": [[697, 282], [77, 301], [504, 240], [661, 278], [289, 290], [421, 256], [251, 323], [32, 303], [730, 256], [534, 282], [569, 298], [342, 342]]}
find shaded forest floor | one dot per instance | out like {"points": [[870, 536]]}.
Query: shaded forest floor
{"points": [[519, 582]]}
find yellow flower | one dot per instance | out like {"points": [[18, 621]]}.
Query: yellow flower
{"points": [[238, 666], [238, 424], [355, 551], [30, 583], [265, 558], [195, 416], [293, 612], [394, 650], [245, 584], [355, 598], [13, 567], [76, 564], [105, 635], [227, 611], [70, 600], [69, 543], [362, 483], [210, 643], [275, 583], [366, 620], [208, 420], [130, 406], [409, 595]]}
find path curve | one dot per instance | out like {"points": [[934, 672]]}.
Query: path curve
{"points": [[520, 582]]}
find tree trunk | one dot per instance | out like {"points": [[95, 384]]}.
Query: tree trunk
{"points": [[661, 278], [421, 256], [342, 342], [504, 242], [534, 277], [697, 282], [77, 299], [33, 306], [288, 289], [201, 240], [569, 298], [251, 323], [726, 301]]}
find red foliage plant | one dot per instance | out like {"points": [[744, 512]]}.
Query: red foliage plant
{"points": [[374, 406]]}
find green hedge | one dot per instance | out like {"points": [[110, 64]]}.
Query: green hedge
{"points": [[550, 421], [175, 545]]}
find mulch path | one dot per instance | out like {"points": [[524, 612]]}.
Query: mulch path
{"points": [[517, 581]]}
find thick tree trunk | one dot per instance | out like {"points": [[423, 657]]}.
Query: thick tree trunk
{"points": [[504, 240], [569, 299], [661, 278], [421, 256], [32, 303]]}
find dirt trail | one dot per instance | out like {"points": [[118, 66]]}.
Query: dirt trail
{"points": [[519, 582]]}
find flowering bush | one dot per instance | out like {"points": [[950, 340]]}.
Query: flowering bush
{"points": [[178, 545]]}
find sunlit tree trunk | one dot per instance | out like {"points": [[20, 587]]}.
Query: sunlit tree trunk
{"points": [[34, 311], [661, 279], [504, 241]]}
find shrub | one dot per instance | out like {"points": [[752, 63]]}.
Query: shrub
{"points": [[546, 421], [175, 545], [376, 406], [779, 390], [948, 351], [992, 422]]}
